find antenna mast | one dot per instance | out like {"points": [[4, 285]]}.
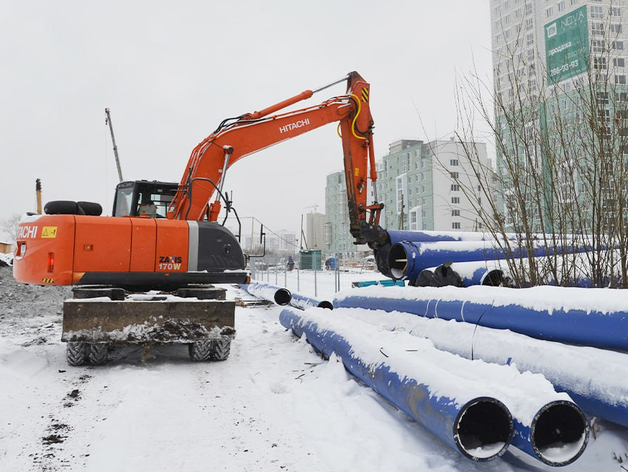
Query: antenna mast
{"points": [[113, 139]]}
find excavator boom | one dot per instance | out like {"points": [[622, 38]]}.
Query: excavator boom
{"points": [[208, 164]]}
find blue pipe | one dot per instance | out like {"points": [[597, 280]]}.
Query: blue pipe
{"points": [[282, 296], [407, 259], [543, 424], [303, 302], [279, 295], [397, 236], [606, 329], [480, 429]]}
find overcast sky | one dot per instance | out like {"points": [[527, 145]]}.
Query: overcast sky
{"points": [[171, 71]]}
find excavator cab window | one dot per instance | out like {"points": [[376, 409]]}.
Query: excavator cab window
{"points": [[143, 198]]}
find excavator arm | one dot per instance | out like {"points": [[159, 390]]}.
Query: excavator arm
{"points": [[238, 137]]}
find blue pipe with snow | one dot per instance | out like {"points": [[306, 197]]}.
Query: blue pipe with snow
{"points": [[548, 426], [303, 302], [479, 427], [282, 296], [279, 295], [407, 259], [588, 317]]}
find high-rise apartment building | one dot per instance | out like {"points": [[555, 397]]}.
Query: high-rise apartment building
{"points": [[424, 186], [561, 109], [430, 186]]}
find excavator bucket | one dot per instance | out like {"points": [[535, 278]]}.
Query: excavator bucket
{"points": [[147, 321]]}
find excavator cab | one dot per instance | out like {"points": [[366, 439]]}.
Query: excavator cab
{"points": [[143, 198]]}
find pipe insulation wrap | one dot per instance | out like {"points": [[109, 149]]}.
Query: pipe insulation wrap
{"points": [[451, 406], [591, 317], [272, 293], [554, 429]]}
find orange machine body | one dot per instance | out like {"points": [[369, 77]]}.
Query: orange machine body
{"points": [[61, 249]]}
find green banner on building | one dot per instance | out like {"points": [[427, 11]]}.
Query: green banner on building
{"points": [[567, 45]]}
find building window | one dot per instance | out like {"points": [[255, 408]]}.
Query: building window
{"points": [[453, 162], [529, 23], [597, 11], [455, 225], [620, 79], [455, 175], [597, 45], [561, 6], [619, 45], [616, 11], [619, 62], [455, 187], [599, 63], [529, 39], [616, 28], [455, 199], [455, 212]]}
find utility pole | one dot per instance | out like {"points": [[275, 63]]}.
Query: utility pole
{"points": [[113, 139]]}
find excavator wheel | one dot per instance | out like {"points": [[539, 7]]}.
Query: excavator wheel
{"points": [[200, 351], [221, 348], [98, 353], [77, 353]]}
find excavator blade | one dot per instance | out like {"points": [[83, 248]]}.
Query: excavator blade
{"points": [[147, 321]]}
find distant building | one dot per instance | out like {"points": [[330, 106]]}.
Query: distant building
{"points": [[338, 239], [430, 186], [424, 186], [315, 230], [282, 241]]}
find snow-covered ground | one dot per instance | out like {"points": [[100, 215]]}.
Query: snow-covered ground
{"points": [[274, 405]]}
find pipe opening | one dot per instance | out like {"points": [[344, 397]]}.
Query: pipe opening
{"points": [[326, 304], [483, 429], [559, 433], [282, 296], [493, 278], [398, 261]]}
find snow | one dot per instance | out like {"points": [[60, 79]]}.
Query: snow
{"points": [[274, 405], [6, 259]]}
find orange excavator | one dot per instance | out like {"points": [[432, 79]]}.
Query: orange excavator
{"points": [[166, 236]]}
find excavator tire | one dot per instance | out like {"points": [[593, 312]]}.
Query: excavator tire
{"points": [[77, 353], [200, 351], [221, 348], [98, 353]]}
